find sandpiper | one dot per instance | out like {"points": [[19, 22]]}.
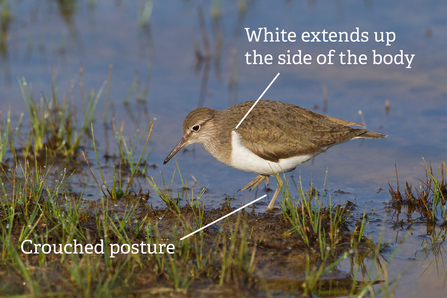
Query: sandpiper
{"points": [[275, 137]]}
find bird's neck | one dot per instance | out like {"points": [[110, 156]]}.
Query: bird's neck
{"points": [[218, 140]]}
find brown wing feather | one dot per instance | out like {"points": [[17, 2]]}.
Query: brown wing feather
{"points": [[275, 130]]}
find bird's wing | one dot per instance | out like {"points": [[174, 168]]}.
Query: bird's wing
{"points": [[275, 130]]}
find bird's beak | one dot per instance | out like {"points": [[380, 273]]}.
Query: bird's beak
{"points": [[183, 142]]}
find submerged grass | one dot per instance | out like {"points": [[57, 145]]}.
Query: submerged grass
{"points": [[429, 201], [126, 150], [53, 123], [425, 209], [115, 191], [9, 135], [323, 227], [229, 255]]}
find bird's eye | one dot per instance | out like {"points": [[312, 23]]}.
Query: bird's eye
{"points": [[196, 127]]}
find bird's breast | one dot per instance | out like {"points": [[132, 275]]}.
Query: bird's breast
{"points": [[243, 159]]}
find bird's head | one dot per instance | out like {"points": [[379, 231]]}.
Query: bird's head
{"points": [[196, 129]]}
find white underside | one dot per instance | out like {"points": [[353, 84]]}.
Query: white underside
{"points": [[243, 159]]}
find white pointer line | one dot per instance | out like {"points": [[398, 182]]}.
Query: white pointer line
{"points": [[223, 217], [274, 79]]}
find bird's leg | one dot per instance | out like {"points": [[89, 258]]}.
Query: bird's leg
{"points": [[271, 205], [254, 183]]}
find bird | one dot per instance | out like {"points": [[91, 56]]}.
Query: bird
{"points": [[275, 137]]}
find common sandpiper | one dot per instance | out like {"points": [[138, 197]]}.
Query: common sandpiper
{"points": [[275, 137]]}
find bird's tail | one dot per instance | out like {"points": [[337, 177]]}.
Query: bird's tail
{"points": [[372, 135]]}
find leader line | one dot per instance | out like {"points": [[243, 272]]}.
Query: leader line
{"points": [[274, 79], [223, 216]]}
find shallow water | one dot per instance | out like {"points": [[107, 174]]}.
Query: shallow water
{"points": [[44, 36]]}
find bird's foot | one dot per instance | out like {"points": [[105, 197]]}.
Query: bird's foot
{"points": [[254, 183], [272, 208]]}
